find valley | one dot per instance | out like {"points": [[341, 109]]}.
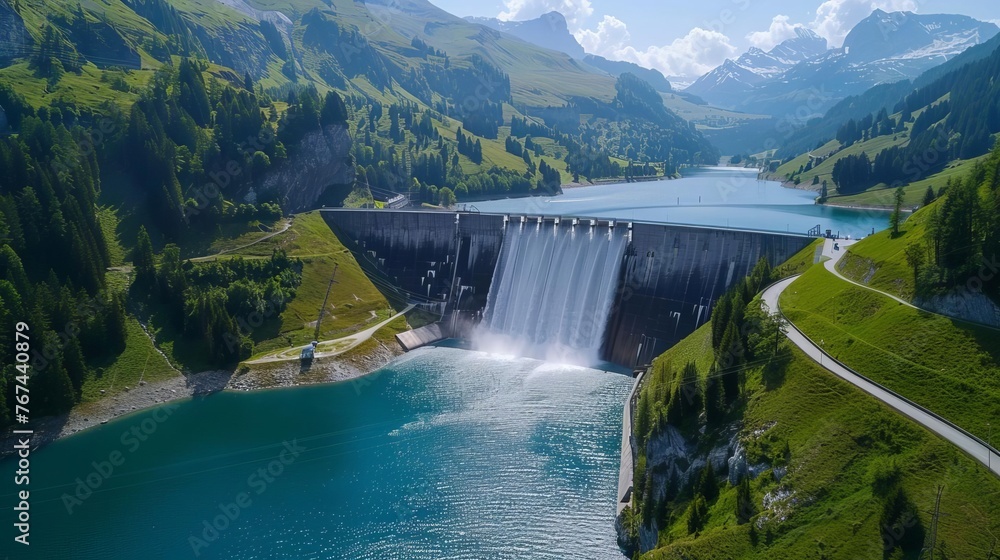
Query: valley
{"points": [[411, 265]]}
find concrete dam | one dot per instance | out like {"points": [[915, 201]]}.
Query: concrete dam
{"points": [[616, 291]]}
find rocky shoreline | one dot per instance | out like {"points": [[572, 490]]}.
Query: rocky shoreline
{"points": [[353, 365]]}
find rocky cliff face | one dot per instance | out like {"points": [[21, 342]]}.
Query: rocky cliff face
{"points": [[963, 304], [14, 36], [549, 31], [674, 462], [321, 160]]}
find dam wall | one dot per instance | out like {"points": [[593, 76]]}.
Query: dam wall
{"points": [[671, 278], [429, 258], [668, 277]]}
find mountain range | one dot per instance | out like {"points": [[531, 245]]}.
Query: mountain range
{"points": [[730, 83], [884, 47], [548, 30], [551, 31]]}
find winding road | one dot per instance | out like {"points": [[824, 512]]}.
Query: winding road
{"points": [[329, 348], [831, 266], [970, 444]]}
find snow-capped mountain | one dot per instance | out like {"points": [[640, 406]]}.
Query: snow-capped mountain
{"points": [[734, 79], [805, 45], [882, 48], [909, 36]]}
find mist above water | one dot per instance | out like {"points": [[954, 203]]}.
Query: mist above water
{"points": [[552, 291]]}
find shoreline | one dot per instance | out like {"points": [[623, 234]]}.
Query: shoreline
{"points": [[148, 396], [615, 181], [867, 207]]}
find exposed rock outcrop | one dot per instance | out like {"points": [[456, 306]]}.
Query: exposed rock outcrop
{"points": [[674, 461], [14, 37], [321, 160], [963, 304]]}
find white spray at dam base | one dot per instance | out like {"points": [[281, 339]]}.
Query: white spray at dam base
{"points": [[552, 292]]}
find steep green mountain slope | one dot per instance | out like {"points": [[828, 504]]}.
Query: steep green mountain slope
{"points": [[185, 123], [916, 140], [947, 247], [802, 464], [410, 54]]}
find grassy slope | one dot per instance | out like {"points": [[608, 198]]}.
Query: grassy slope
{"points": [[801, 261], [949, 367], [825, 170], [877, 196], [539, 77], [139, 361], [881, 194], [835, 433], [886, 256], [351, 303], [85, 88], [352, 300]]}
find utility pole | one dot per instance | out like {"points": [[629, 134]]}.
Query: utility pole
{"points": [[934, 521], [322, 310]]}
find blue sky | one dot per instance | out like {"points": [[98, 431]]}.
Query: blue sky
{"points": [[685, 38]]}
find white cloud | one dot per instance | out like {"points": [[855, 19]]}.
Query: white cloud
{"points": [[575, 10], [695, 54], [835, 18], [610, 36], [780, 30]]}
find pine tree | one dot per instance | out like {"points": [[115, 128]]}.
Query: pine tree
{"points": [[896, 218], [729, 358], [50, 386], [143, 260], [76, 367], [715, 400], [929, 196], [697, 514], [708, 485], [7, 375], [745, 508]]}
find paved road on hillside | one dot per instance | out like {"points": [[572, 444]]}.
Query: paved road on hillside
{"points": [[831, 266], [957, 436]]}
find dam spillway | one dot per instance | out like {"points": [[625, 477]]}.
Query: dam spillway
{"points": [[493, 269], [553, 288]]}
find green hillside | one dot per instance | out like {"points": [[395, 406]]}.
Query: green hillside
{"points": [[950, 367], [946, 246], [915, 136], [141, 133], [837, 474], [841, 445]]}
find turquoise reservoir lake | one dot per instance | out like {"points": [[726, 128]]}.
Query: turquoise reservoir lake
{"points": [[445, 454], [713, 196]]}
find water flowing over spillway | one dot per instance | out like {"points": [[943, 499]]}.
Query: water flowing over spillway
{"points": [[552, 290]]}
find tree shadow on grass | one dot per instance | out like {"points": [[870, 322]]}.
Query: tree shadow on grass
{"points": [[775, 370]]}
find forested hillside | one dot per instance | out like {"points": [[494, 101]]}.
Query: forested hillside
{"points": [[908, 141], [136, 132]]}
